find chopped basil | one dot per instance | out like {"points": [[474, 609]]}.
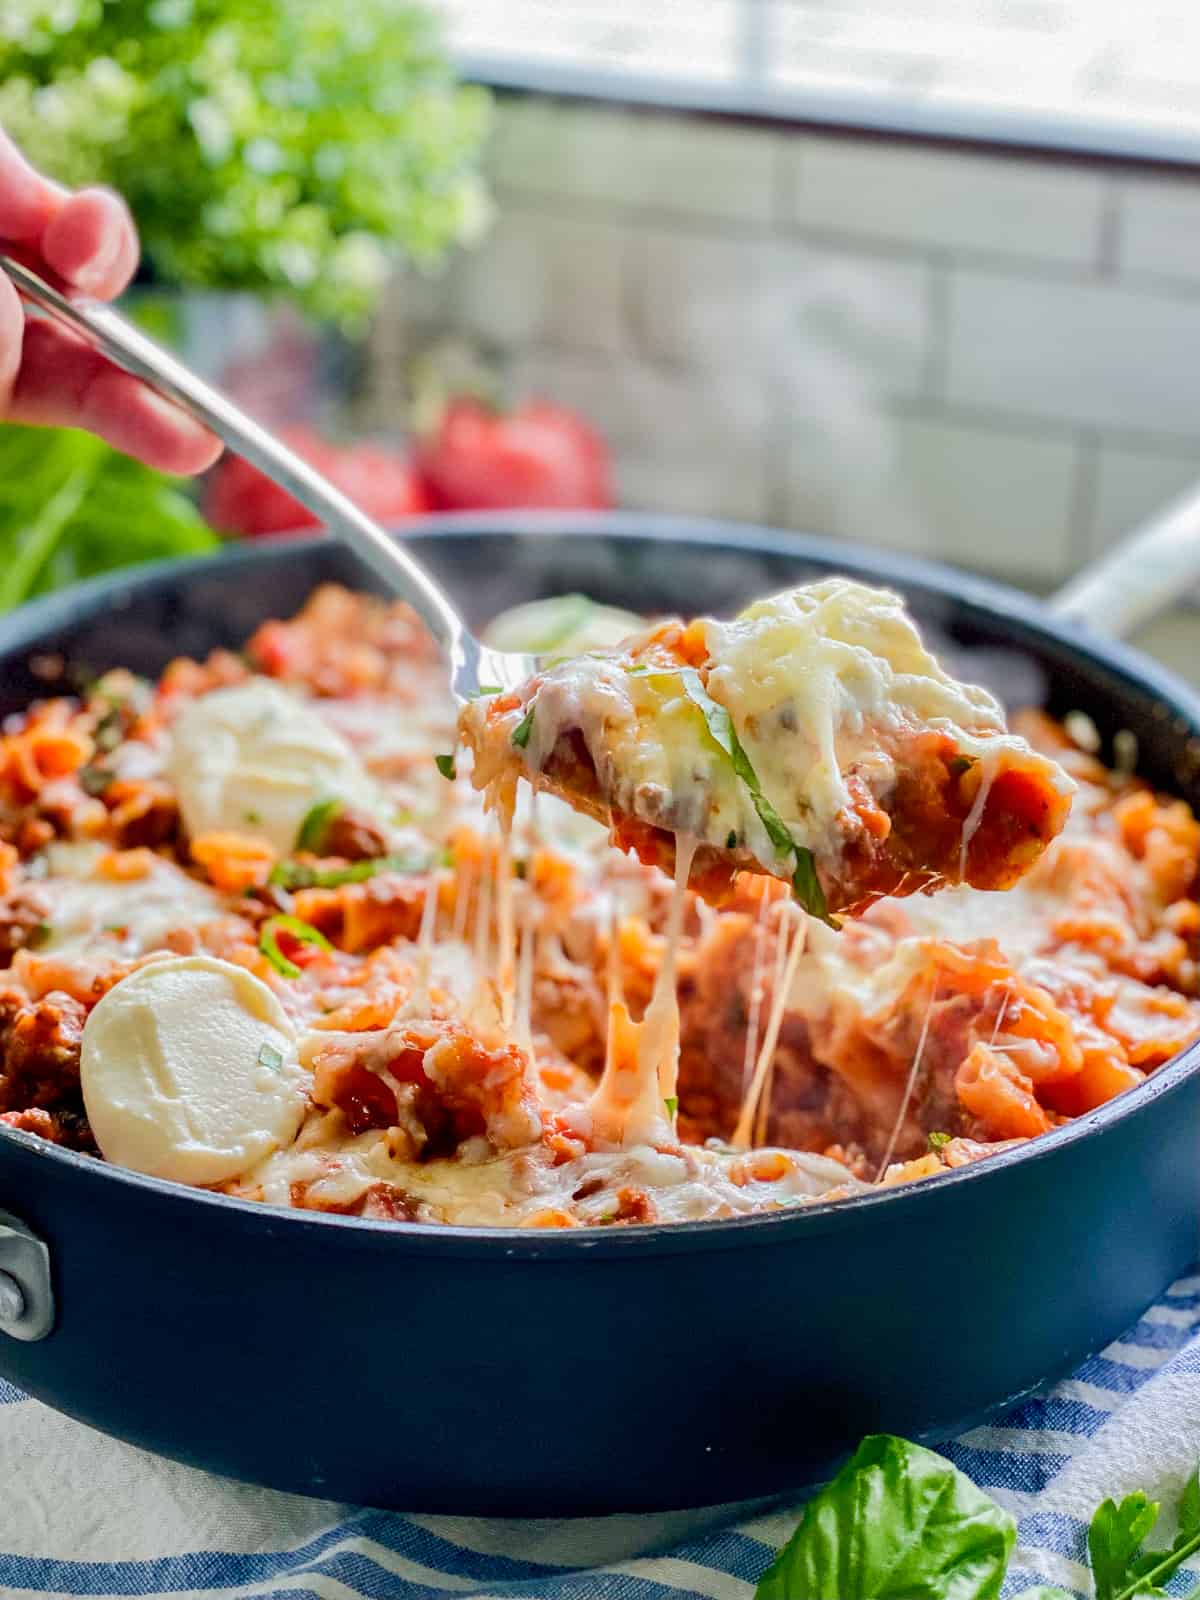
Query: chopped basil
{"points": [[94, 780], [805, 883], [634, 671], [523, 729], [806, 886], [109, 731], [672, 1104], [299, 875], [39, 935], [960, 764], [268, 1056], [731, 839], [938, 1141], [315, 825], [445, 765], [254, 818], [302, 932], [484, 689]]}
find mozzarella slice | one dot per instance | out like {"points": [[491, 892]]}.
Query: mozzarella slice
{"points": [[189, 1071], [255, 759]]}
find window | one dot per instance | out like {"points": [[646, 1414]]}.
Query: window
{"points": [[1095, 75]]}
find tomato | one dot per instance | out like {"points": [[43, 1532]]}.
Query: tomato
{"points": [[538, 455], [383, 483]]}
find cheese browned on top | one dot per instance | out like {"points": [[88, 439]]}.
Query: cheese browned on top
{"points": [[814, 738]]}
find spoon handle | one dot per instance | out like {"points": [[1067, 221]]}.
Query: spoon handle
{"points": [[128, 348]]}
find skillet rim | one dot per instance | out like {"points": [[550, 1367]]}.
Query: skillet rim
{"points": [[1016, 611]]}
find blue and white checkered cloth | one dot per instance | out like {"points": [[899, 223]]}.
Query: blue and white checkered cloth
{"points": [[83, 1515]]}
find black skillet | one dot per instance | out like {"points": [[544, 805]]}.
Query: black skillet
{"points": [[612, 1369]]}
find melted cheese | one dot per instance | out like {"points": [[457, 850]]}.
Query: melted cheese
{"points": [[816, 680], [255, 759], [630, 1105], [524, 1188], [90, 911]]}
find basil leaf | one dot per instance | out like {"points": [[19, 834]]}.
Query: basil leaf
{"points": [[938, 1141], [315, 825], [723, 733], [897, 1523], [806, 886], [672, 1104], [805, 883], [1115, 1540], [303, 932], [520, 734], [445, 765], [268, 1056], [299, 875], [1189, 1508]]}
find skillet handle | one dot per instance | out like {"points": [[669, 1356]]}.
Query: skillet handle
{"points": [[26, 1293], [1153, 566]]}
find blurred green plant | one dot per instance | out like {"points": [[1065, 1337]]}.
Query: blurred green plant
{"points": [[273, 145], [71, 507]]}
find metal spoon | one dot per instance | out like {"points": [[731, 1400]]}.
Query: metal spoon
{"points": [[472, 664]]}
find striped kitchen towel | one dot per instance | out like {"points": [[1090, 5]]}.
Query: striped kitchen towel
{"points": [[83, 1515]]}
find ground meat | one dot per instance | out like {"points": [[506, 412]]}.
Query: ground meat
{"points": [[39, 1051], [22, 914], [68, 1128], [354, 836]]}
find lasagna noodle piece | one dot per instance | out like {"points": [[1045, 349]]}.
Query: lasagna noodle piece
{"points": [[814, 738]]}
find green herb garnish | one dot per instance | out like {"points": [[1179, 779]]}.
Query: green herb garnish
{"points": [[731, 839], [446, 766], [109, 731], [902, 1523], [805, 884], [672, 1104], [94, 780], [268, 1056], [302, 932], [315, 825], [928, 1532], [960, 764], [254, 818], [38, 935], [483, 690], [299, 875], [520, 734], [938, 1141]]}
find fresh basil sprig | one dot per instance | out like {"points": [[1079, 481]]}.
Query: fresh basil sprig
{"points": [[897, 1523], [805, 884], [902, 1523], [1121, 1569]]}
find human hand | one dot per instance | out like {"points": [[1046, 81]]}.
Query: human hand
{"points": [[87, 242]]}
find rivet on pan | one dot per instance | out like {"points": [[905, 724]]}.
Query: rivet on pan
{"points": [[12, 1301]]}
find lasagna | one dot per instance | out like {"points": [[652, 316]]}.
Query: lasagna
{"points": [[261, 934], [814, 738]]}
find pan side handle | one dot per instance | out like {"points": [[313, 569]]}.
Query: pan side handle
{"points": [[1153, 566]]}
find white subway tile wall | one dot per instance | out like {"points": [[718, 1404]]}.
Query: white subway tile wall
{"points": [[994, 360]]}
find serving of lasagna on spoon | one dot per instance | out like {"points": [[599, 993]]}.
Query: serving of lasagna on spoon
{"points": [[814, 737]]}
